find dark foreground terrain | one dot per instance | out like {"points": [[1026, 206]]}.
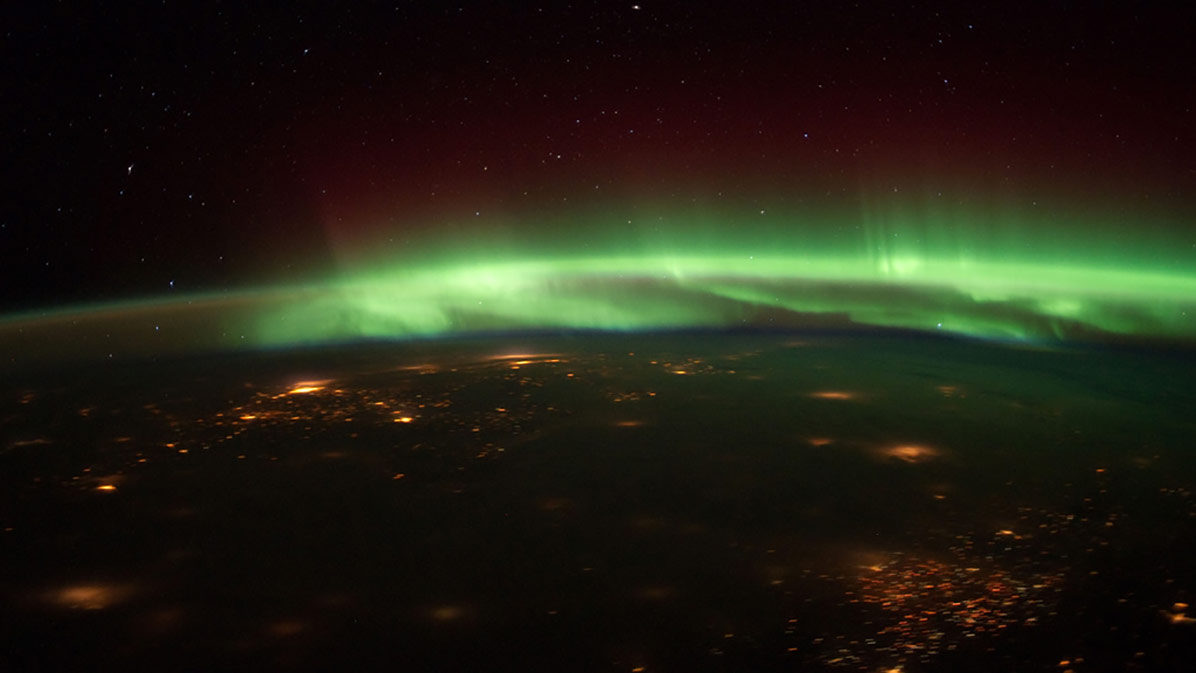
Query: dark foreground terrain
{"points": [[656, 503]]}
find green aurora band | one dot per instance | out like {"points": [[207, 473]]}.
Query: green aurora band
{"points": [[1020, 277]]}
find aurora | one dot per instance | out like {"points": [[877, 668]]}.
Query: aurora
{"points": [[1008, 277]]}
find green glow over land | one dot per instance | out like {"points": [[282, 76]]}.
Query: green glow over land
{"points": [[993, 272], [987, 299], [1007, 277]]}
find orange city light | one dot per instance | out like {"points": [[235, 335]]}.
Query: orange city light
{"points": [[910, 453], [833, 395]]}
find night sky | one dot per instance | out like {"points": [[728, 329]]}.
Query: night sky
{"points": [[160, 154]]}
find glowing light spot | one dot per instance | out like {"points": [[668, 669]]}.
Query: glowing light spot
{"points": [[1178, 614], [39, 441], [526, 358], [88, 596], [820, 441], [910, 453], [248, 417], [398, 476], [422, 369], [1179, 618], [106, 487], [303, 390], [404, 419], [833, 395], [447, 613]]}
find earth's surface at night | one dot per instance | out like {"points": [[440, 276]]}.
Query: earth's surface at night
{"points": [[710, 501]]}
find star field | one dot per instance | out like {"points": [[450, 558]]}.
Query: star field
{"points": [[182, 151]]}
